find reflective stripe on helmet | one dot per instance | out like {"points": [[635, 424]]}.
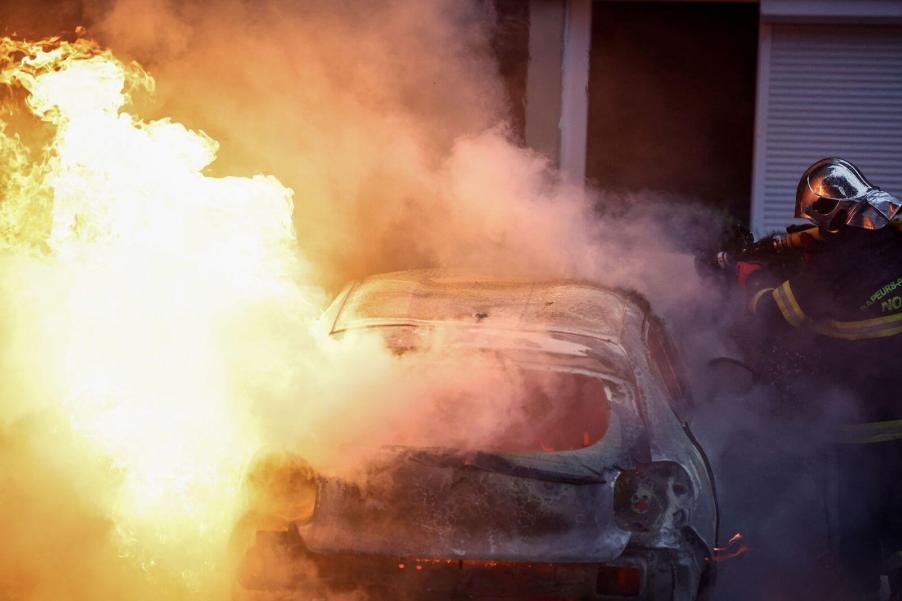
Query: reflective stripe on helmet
{"points": [[870, 433], [753, 303]]}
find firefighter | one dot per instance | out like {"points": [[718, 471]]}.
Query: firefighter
{"points": [[838, 323]]}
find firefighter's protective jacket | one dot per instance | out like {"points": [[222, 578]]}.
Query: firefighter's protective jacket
{"points": [[843, 314]]}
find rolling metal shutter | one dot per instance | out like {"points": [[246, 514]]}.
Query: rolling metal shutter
{"points": [[824, 90]]}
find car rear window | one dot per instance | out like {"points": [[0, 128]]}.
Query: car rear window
{"points": [[525, 409], [563, 411]]}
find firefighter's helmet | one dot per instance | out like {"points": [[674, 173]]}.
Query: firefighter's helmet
{"points": [[833, 193]]}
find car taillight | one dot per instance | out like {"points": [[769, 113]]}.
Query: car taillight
{"points": [[652, 497], [283, 488], [619, 581]]}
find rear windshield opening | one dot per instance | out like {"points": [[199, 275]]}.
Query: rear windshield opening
{"points": [[560, 411], [518, 409]]}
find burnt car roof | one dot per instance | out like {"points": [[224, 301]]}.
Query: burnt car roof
{"points": [[438, 297]]}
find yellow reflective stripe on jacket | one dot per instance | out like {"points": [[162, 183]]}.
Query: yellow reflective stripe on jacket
{"points": [[789, 306], [870, 433], [753, 303], [863, 329], [879, 327]]}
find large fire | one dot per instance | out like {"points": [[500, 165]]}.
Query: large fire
{"points": [[137, 285], [157, 326]]}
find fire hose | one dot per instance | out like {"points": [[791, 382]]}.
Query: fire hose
{"points": [[780, 247]]}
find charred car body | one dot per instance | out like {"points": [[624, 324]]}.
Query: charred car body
{"points": [[615, 501]]}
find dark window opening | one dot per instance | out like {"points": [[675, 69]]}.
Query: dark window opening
{"points": [[510, 43], [672, 100]]}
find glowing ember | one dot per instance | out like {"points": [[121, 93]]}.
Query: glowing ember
{"points": [[736, 547], [136, 281]]}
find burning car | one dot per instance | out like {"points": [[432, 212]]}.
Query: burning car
{"points": [[595, 490]]}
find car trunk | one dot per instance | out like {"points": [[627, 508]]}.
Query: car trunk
{"points": [[440, 504]]}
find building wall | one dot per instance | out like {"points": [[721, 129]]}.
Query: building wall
{"points": [[678, 97]]}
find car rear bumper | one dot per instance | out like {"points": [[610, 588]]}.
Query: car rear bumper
{"points": [[279, 565]]}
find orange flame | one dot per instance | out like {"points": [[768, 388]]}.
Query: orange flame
{"points": [[138, 280]]}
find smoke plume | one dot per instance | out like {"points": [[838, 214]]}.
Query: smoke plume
{"points": [[185, 342]]}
